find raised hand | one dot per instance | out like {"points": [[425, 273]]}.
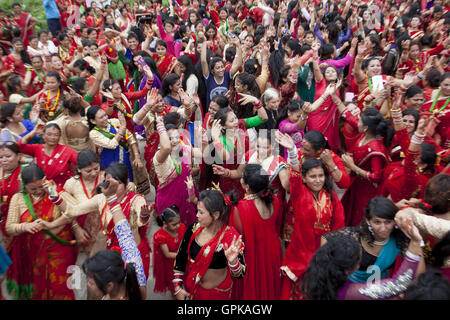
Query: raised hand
{"points": [[107, 94], [152, 97], [284, 140], [247, 98], [189, 182], [216, 129], [219, 170], [232, 252]]}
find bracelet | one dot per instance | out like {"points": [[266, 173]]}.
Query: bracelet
{"points": [[233, 265], [191, 192], [56, 200], [258, 105], [334, 169], [421, 77], [75, 226], [303, 119]]}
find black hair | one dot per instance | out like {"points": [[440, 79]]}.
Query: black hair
{"points": [[168, 214], [441, 251], [434, 78], [73, 104], [446, 75], [14, 81], [108, 266], [317, 140], [214, 201], [326, 50], [430, 285], [328, 269], [377, 125], [83, 65], [24, 56], [213, 62], [86, 157], [413, 112], [258, 181], [11, 146], [293, 106], [161, 43], [277, 69], [383, 208], [118, 171], [251, 66], [55, 75], [294, 46], [7, 110], [187, 62], [221, 101], [230, 53], [31, 173], [437, 193], [90, 115], [412, 91], [312, 163], [78, 85], [428, 156], [333, 32], [249, 80], [173, 118], [169, 81]]}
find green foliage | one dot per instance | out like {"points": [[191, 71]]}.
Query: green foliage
{"points": [[34, 7]]}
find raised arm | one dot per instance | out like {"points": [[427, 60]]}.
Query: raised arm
{"points": [[237, 62], [165, 148]]}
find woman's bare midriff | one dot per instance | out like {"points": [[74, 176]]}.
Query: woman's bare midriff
{"points": [[213, 278]]}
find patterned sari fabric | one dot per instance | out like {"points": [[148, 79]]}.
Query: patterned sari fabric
{"points": [[40, 263]]}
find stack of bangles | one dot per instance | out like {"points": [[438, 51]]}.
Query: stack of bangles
{"points": [[56, 200], [418, 138], [19, 228], [293, 156], [161, 128], [258, 105], [396, 115], [177, 277], [235, 268]]}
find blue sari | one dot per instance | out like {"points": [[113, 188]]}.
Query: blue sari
{"points": [[119, 154], [385, 259]]}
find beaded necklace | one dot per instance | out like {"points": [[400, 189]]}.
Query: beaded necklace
{"points": [[435, 101]]}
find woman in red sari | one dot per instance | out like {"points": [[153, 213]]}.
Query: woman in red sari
{"points": [[317, 211], [439, 111], [410, 179], [25, 21], [210, 254], [40, 259], [57, 161], [9, 183], [260, 212], [133, 206], [165, 62], [231, 141]]}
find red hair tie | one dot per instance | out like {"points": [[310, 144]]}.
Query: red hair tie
{"points": [[427, 205], [87, 64], [228, 201]]}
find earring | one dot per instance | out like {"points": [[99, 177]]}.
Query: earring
{"points": [[370, 228]]}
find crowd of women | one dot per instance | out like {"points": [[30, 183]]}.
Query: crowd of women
{"points": [[285, 149]]}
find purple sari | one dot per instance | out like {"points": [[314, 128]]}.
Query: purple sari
{"points": [[175, 192], [140, 129]]}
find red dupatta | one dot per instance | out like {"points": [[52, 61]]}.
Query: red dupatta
{"points": [[196, 268], [165, 64]]}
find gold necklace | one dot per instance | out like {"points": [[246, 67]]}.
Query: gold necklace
{"points": [[250, 196]]}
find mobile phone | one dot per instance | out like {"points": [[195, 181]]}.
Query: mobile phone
{"points": [[104, 184], [231, 34]]}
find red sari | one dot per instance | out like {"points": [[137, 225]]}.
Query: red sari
{"points": [[165, 64], [162, 266], [112, 243], [326, 118], [360, 97], [37, 82], [240, 146], [314, 217], [40, 263], [263, 255], [439, 128], [344, 183], [9, 186], [25, 30], [373, 158], [57, 167], [196, 268]]}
